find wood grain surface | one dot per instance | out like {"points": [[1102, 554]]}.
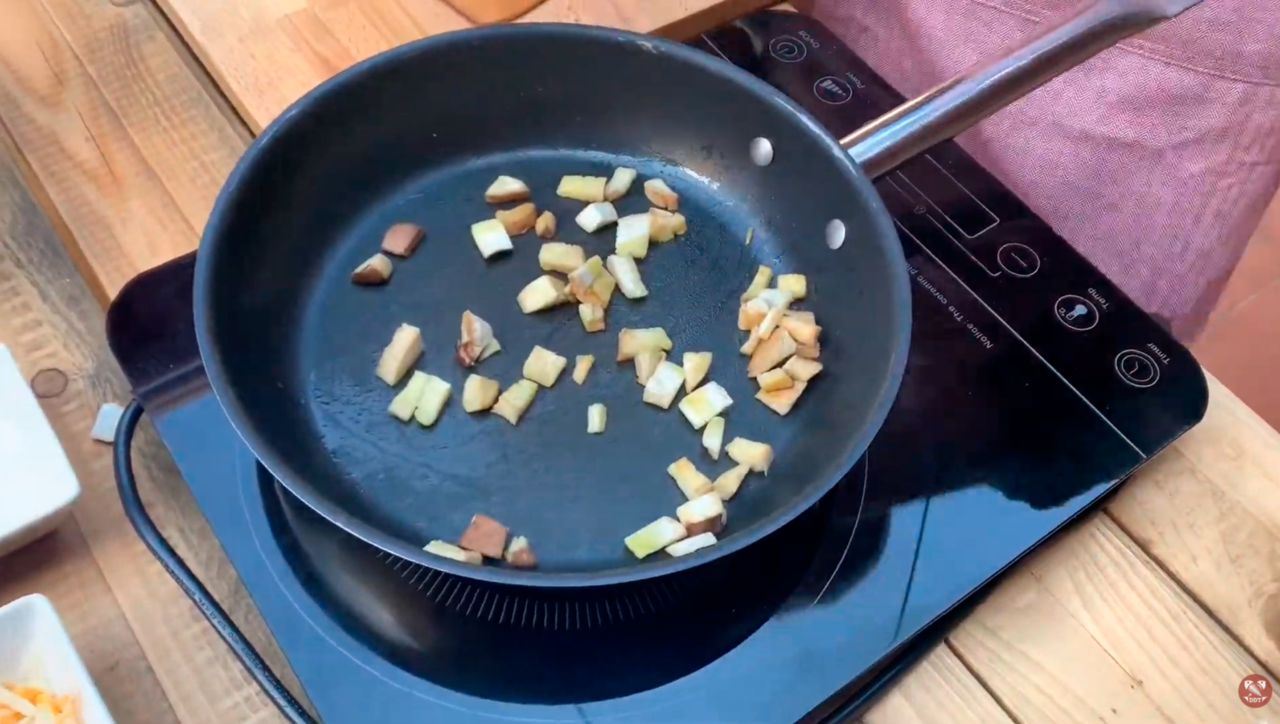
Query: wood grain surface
{"points": [[117, 144]]}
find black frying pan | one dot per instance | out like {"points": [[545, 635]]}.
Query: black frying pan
{"points": [[417, 134]]}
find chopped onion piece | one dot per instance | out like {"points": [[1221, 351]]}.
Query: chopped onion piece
{"points": [[619, 184], [490, 349], [770, 322], [774, 298], [665, 225], [774, 380], [588, 189], [647, 363], [808, 351], [592, 316], [801, 369], [689, 545], [771, 353], [801, 330], [545, 226], [490, 237], [713, 436], [372, 271], [596, 418], [654, 537], [506, 188], [661, 195], [542, 293], [751, 232], [794, 284], [632, 236], [625, 271], [757, 455], [543, 366], [664, 385], [515, 400], [558, 256], [764, 275], [690, 481], [781, 401], [596, 216], [726, 486], [403, 404], [518, 220], [434, 394], [802, 315], [520, 554], [581, 366], [632, 342], [753, 341], [479, 393], [696, 365], [704, 403], [703, 514], [751, 314], [400, 354], [485, 536], [448, 550], [476, 334], [591, 283]]}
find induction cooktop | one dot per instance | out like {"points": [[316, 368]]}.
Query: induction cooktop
{"points": [[1033, 387]]}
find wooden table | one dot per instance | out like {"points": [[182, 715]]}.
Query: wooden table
{"points": [[117, 142]]}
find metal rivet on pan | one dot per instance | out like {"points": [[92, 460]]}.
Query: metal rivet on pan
{"points": [[761, 151], [835, 234]]}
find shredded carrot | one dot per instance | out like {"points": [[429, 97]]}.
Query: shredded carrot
{"points": [[64, 709]]}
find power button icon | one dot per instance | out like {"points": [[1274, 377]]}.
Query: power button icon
{"points": [[787, 49], [1137, 368]]}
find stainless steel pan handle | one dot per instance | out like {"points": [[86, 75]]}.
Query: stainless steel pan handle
{"points": [[959, 103]]}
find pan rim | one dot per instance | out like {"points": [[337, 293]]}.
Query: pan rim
{"points": [[280, 469]]}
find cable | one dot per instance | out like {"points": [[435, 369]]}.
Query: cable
{"points": [[181, 573]]}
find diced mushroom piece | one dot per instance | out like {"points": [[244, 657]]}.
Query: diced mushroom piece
{"points": [[448, 550], [518, 220], [596, 418], [544, 366], [781, 401], [520, 554], [485, 536], [632, 237], [696, 365], [592, 316], [541, 293], [726, 486], [689, 479], [490, 237], [654, 537], [632, 342], [753, 341], [703, 514], [400, 354], [513, 402], [545, 226], [689, 545], [664, 385], [591, 283], [774, 380], [619, 183], [490, 349], [434, 394], [647, 363], [665, 225], [588, 189], [402, 238], [596, 216], [560, 257], [476, 334], [751, 314], [661, 195], [757, 455], [771, 353], [801, 369], [581, 366], [764, 275], [479, 393], [506, 188], [404, 403], [801, 330], [794, 284], [704, 403], [808, 351], [373, 271], [627, 274], [713, 437]]}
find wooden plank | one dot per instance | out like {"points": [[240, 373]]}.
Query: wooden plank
{"points": [[1091, 630], [267, 53], [1208, 510], [121, 135], [51, 321], [940, 690]]}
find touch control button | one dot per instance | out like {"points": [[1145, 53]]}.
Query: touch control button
{"points": [[1076, 312], [832, 90], [1137, 368], [787, 49], [1018, 259]]}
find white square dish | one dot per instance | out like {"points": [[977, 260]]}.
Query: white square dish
{"points": [[37, 484], [36, 651]]}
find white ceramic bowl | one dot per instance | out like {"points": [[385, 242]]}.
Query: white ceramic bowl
{"points": [[37, 484], [36, 651]]}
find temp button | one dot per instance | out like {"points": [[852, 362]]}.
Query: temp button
{"points": [[1076, 312], [1137, 368]]}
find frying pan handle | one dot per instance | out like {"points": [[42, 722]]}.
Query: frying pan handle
{"points": [[988, 86]]}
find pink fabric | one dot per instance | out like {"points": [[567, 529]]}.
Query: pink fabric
{"points": [[1155, 159]]}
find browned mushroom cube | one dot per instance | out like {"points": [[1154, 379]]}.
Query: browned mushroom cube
{"points": [[520, 554], [485, 536], [401, 239], [518, 220]]}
